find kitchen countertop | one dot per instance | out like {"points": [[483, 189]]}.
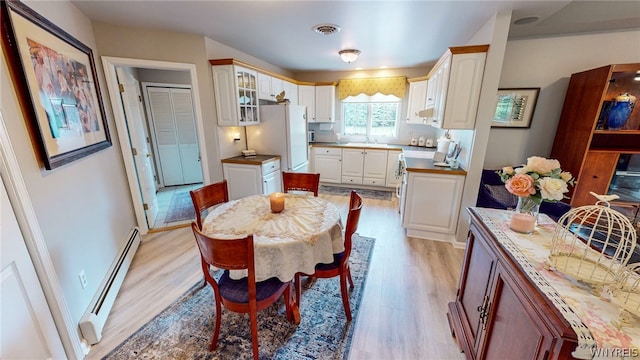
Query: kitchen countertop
{"points": [[375, 146], [426, 166], [250, 160]]}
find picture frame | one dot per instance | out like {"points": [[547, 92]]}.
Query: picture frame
{"points": [[515, 107], [57, 85]]}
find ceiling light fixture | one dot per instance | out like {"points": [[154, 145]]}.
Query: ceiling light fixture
{"points": [[349, 55]]}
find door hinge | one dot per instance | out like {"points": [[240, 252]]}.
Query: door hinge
{"points": [[139, 98], [155, 177], [121, 87], [145, 206], [134, 151]]}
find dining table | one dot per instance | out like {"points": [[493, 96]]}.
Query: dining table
{"points": [[306, 233]]}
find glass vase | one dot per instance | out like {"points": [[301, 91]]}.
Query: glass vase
{"points": [[525, 217]]}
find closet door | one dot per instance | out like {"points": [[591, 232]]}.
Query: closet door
{"points": [[175, 133]]}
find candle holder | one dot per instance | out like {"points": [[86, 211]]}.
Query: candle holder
{"points": [[276, 201]]}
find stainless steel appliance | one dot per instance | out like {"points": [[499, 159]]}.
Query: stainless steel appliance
{"points": [[311, 136]]}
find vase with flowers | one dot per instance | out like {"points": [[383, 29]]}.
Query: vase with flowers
{"points": [[539, 180]]}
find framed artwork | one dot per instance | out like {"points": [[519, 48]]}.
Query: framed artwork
{"points": [[57, 84], [514, 107]]}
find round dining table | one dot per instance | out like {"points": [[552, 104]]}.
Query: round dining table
{"points": [[307, 232]]}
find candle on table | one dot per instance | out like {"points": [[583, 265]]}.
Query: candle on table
{"points": [[522, 223], [277, 202]]}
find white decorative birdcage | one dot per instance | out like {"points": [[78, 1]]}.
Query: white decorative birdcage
{"points": [[627, 291], [593, 244]]}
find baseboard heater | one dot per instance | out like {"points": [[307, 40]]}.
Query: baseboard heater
{"points": [[94, 319]]}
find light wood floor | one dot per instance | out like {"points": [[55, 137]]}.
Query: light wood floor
{"points": [[403, 310]]}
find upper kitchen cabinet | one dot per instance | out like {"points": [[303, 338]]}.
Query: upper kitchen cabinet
{"points": [[291, 92], [269, 87], [454, 87], [320, 101], [603, 156], [417, 100], [236, 93]]}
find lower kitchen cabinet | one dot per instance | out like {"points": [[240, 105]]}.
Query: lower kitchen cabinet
{"points": [[328, 163], [252, 179], [364, 166], [432, 204], [393, 178], [498, 313]]}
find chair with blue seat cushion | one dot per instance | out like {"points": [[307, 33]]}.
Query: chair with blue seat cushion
{"points": [[340, 265], [243, 295]]}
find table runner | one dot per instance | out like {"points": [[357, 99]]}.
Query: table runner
{"points": [[593, 318]]}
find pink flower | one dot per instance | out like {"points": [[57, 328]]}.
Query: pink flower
{"points": [[520, 185]]}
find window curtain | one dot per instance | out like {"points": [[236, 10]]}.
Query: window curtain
{"points": [[396, 85]]}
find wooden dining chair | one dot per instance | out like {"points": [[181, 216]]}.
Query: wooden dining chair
{"points": [[300, 182], [244, 295], [340, 265], [207, 196]]}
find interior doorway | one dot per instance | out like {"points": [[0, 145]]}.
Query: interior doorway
{"points": [[111, 65]]}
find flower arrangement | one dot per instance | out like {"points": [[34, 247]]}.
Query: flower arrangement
{"points": [[539, 180]]}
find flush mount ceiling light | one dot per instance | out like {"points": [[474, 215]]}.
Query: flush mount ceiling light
{"points": [[349, 55], [326, 29], [526, 20]]}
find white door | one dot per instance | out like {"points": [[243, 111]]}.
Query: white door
{"points": [[175, 133], [134, 117], [28, 330]]}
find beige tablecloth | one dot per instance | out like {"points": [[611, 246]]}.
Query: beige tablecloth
{"points": [[306, 233], [595, 319]]}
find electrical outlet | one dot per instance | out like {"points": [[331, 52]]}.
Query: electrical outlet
{"points": [[83, 279]]}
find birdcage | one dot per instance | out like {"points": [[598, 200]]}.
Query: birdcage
{"points": [[593, 244], [627, 290]]}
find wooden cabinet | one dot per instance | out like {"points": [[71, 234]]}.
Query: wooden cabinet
{"points": [[432, 202], [364, 166], [236, 94], [583, 144], [252, 179], [328, 163], [320, 102], [455, 81], [498, 313], [417, 101]]}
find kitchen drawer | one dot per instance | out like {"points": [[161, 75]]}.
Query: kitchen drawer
{"points": [[374, 182], [270, 166], [328, 151], [351, 180]]}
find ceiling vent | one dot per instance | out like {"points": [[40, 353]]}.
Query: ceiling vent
{"points": [[326, 29]]}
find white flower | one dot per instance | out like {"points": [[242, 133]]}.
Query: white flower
{"points": [[552, 189], [566, 176], [541, 165], [507, 170]]}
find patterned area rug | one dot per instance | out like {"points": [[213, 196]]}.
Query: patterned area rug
{"points": [[180, 208], [370, 194], [184, 329]]}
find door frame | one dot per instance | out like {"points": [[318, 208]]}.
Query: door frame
{"points": [[109, 64], [152, 125], [20, 200]]}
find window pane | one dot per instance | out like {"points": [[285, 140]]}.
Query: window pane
{"points": [[355, 119], [383, 119]]}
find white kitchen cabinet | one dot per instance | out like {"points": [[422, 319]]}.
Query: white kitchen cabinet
{"points": [[364, 166], [456, 80], [236, 95], [432, 203], [269, 86], [328, 163], [417, 101], [252, 179], [291, 92], [392, 179], [320, 102]]}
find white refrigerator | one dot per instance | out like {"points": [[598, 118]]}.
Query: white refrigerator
{"points": [[282, 131]]}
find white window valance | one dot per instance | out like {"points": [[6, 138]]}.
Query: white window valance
{"points": [[396, 85]]}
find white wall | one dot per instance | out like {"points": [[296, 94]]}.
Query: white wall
{"points": [[83, 208], [548, 63]]}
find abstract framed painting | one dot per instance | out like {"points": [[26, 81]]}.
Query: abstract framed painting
{"points": [[514, 108], [55, 77]]}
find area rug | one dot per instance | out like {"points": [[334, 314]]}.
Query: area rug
{"points": [[184, 329], [366, 193], [180, 208]]}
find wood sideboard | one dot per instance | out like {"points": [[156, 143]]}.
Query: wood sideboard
{"points": [[498, 312]]}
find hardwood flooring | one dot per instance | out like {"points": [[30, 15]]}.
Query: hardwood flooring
{"points": [[403, 310]]}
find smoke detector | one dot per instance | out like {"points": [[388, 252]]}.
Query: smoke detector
{"points": [[326, 29]]}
